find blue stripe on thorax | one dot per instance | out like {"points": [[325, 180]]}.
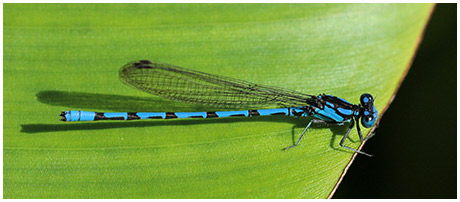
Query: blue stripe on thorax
{"points": [[329, 113], [345, 111]]}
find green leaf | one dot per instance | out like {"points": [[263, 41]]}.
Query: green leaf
{"points": [[66, 56]]}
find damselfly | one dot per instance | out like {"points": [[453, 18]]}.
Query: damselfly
{"points": [[185, 85]]}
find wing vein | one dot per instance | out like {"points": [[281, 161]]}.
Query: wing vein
{"points": [[185, 85]]}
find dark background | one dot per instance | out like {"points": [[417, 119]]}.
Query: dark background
{"points": [[415, 147]]}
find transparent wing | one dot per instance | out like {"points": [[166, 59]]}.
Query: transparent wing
{"points": [[185, 85]]}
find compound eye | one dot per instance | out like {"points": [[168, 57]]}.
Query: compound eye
{"points": [[368, 118], [367, 121], [366, 100]]}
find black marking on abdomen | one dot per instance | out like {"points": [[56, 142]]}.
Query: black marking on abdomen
{"points": [[211, 115], [133, 116], [155, 117], [238, 115], [170, 115], [195, 117], [101, 116], [253, 113], [279, 113]]}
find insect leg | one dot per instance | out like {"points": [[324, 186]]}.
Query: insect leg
{"points": [[300, 136], [358, 129], [360, 134], [315, 121], [369, 136], [345, 137]]}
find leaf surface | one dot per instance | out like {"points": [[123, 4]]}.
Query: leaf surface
{"points": [[66, 57]]}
